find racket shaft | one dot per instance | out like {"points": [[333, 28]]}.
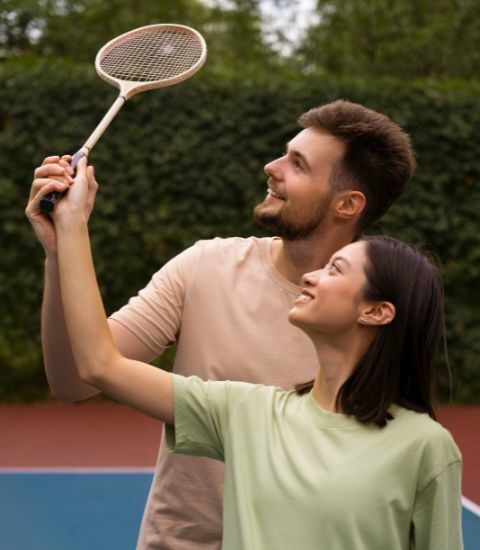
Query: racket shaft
{"points": [[48, 202], [104, 123]]}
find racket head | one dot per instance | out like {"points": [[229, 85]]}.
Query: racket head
{"points": [[154, 56]]}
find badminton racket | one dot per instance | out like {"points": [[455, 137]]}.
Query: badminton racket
{"points": [[155, 56]]}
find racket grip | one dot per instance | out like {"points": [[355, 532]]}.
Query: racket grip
{"points": [[47, 204]]}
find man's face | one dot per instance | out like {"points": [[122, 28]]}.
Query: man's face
{"points": [[299, 194]]}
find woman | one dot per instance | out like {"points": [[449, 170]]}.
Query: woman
{"points": [[353, 460]]}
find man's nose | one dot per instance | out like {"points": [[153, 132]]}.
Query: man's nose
{"points": [[272, 168]]}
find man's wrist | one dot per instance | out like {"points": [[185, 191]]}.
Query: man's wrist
{"points": [[51, 262]]}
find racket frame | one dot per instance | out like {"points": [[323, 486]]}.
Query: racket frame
{"points": [[127, 90]]}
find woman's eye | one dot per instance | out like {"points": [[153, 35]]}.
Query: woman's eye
{"points": [[334, 267]]}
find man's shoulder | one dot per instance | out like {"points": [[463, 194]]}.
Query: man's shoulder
{"points": [[220, 249], [233, 246]]}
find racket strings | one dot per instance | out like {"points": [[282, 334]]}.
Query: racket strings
{"points": [[152, 56]]}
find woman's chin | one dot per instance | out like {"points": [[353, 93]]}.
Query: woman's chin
{"points": [[295, 318], [292, 316]]}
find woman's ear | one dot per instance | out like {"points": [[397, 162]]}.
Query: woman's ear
{"points": [[350, 204], [380, 313]]}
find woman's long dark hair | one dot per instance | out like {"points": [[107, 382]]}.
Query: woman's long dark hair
{"points": [[399, 365]]}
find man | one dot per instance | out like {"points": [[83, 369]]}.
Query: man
{"points": [[223, 302]]}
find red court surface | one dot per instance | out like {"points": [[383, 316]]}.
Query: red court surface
{"points": [[105, 435], [90, 435]]}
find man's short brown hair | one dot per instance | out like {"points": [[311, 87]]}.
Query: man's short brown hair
{"points": [[378, 159]]}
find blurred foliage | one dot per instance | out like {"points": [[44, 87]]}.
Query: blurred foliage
{"points": [[76, 29], [186, 163], [407, 38], [365, 38]]}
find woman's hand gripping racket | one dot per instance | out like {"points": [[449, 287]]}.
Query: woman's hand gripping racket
{"points": [[155, 56]]}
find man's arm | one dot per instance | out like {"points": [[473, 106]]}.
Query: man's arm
{"points": [[55, 175], [62, 374], [93, 348], [60, 368]]}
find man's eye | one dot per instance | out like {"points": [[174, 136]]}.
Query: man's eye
{"points": [[297, 163]]}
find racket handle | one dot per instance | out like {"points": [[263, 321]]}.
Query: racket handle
{"points": [[47, 204]]}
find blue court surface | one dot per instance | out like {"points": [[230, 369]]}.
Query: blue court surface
{"points": [[65, 511], [95, 511]]}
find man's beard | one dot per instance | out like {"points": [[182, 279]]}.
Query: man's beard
{"points": [[294, 224]]}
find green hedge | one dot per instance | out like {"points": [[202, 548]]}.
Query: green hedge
{"points": [[186, 162]]}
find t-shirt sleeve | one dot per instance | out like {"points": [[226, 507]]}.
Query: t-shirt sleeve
{"points": [[437, 515], [202, 410], [154, 315]]}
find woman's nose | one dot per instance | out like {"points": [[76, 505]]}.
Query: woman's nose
{"points": [[310, 279]]}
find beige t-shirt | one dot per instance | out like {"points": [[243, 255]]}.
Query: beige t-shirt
{"points": [[225, 306]]}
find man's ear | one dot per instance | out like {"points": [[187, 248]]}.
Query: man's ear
{"points": [[377, 314], [350, 204]]}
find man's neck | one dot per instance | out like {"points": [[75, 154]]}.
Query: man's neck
{"points": [[294, 258]]}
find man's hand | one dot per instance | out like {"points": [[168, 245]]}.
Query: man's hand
{"points": [[55, 174], [76, 205]]}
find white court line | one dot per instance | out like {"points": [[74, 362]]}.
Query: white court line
{"points": [[78, 470], [471, 506]]}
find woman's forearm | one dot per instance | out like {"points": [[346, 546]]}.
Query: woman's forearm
{"points": [[96, 355], [92, 344]]}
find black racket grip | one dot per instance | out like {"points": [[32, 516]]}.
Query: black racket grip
{"points": [[47, 204]]}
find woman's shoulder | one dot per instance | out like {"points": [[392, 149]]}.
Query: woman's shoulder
{"points": [[259, 392], [234, 391], [427, 433]]}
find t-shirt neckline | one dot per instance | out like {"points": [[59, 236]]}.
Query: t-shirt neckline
{"points": [[323, 418], [278, 278]]}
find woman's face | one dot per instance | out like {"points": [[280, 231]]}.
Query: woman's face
{"points": [[332, 298]]}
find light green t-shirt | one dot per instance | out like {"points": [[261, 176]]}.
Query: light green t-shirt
{"points": [[298, 477]]}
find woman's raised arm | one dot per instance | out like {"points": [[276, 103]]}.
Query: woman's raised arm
{"points": [[97, 358]]}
